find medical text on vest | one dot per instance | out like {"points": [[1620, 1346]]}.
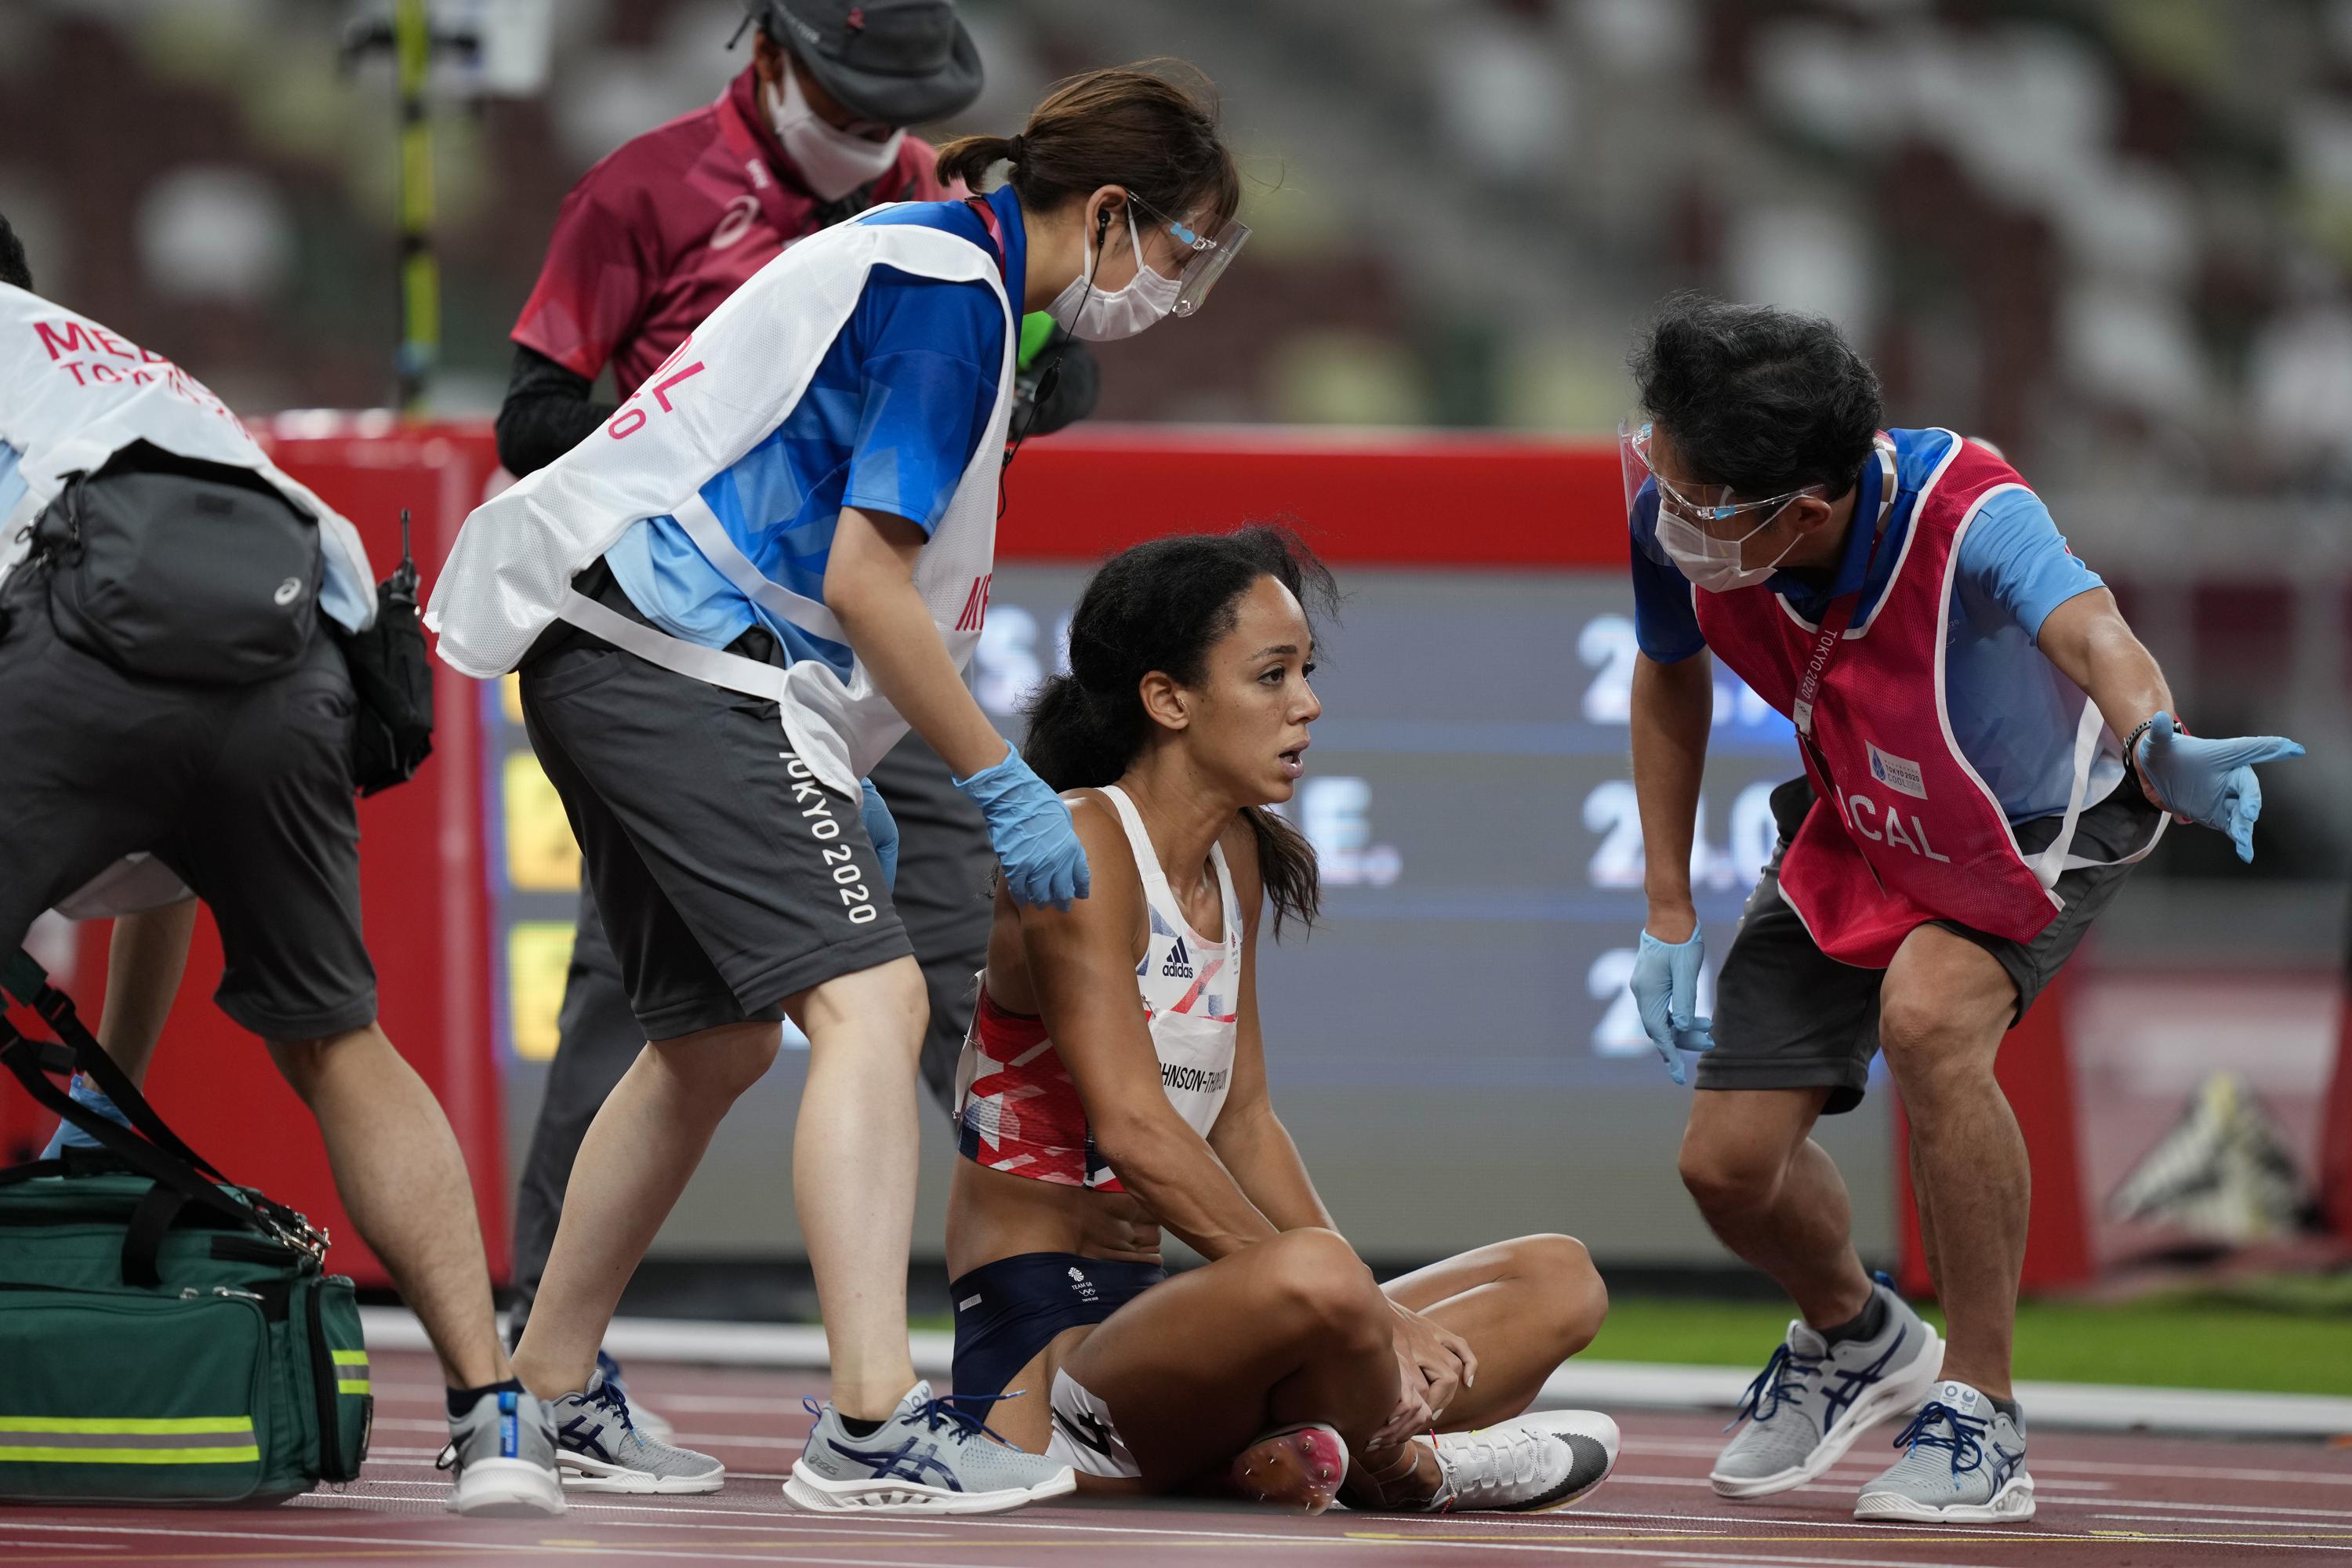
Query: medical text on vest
{"points": [[145, 366], [1884, 825]]}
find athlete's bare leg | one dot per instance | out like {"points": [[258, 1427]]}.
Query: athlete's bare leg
{"points": [[146, 955], [1775, 1197], [855, 1151], [1290, 1331], [1525, 1306], [1942, 1009], [632, 1167]]}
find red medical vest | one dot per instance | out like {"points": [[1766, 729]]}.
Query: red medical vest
{"points": [[1904, 830], [671, 223]]}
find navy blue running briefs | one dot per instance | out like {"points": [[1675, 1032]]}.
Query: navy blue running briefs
{"points": [[1008, 1311]]}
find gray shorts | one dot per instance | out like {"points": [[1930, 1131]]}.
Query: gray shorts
{"points": [[726, 877], [243, 791], [1788, 1015]]}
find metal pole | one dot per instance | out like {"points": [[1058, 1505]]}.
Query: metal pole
{"points": [[420, 275]]}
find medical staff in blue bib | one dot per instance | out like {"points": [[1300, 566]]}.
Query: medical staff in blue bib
{"points": [[725, 605]]}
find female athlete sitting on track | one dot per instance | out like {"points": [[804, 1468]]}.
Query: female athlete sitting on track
{"points": [[1114, 1082]]}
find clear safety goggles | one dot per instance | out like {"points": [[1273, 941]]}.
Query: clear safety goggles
{"points": [[1208, 255], [1708, 509]]}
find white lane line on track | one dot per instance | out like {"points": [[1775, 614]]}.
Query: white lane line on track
{"points": [[2316, 1515], [431, 1544], [1974, 1535], [2333, 1528], [63, 1545]]}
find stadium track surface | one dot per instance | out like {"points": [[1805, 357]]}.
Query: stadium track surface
{"points": [[2144, 1501]]}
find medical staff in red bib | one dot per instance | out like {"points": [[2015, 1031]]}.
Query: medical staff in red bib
{"points": [[1988, 751], [726, 605]]}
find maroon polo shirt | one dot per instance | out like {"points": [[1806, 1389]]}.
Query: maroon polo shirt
{"points": [[666, 226]]}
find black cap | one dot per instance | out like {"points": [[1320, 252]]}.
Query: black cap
{"points": [[903, 62]]}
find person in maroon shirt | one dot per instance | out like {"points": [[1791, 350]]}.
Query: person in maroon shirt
{"points": [[647, 244]]}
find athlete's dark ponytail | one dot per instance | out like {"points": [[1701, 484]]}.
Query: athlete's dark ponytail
{"points": [[1161, 606]]}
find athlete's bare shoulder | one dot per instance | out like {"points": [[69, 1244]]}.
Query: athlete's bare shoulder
{"points": [[1112, 871]]}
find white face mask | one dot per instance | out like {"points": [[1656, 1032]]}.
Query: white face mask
{"points": [[1097, 316], [831, 162], [1713, 564]]}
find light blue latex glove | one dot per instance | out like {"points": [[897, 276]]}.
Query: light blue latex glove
{"points": [[2211, 781], [1044, 861], [883, 829], [68, 1135], [1666, 990]]}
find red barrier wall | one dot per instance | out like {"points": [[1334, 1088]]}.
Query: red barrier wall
{"points": [[1434, 500], [424, 892]]}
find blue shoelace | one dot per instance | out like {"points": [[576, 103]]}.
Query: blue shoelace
{"points": [[1778, 1382], [611, 1396], [1968, 1451], [961, 1412]]}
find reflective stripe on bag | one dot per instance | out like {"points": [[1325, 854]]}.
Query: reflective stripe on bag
{"points": [[128, 1440], [350, 1382]]}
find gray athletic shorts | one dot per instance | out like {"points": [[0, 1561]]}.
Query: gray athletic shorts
{"points": [[243, 791], [1788, 1015], [728, 878]]}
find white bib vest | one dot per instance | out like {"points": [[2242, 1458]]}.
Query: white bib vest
{"points": [[720, 394], [73, 393]]}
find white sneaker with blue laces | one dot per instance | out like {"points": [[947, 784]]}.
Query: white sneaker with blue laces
{"points": [[1963, 1463], [931, 1456], [1812, 1399], [601, 1448]]}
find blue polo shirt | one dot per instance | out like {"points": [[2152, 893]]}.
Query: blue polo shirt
{"points": [[889, 423], [2013, 712]]}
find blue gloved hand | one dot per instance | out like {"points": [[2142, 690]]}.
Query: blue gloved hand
{"points": [[883, 829], [1036, 843], [83, 1092], [1666, 990], [2210, 782]]}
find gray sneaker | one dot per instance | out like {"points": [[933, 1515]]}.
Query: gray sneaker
{"points": [[503, 1453], [1813, 1399], [932, 1456], [600, 1449], [1963, 1462]]}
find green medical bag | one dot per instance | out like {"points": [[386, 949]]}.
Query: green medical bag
{"points": [[168, 1337]]}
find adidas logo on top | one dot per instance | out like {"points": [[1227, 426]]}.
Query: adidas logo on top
{"points": [[1180, 963]]}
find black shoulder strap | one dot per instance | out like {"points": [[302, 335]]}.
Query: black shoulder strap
{"points": [[24, 979], [160, 1156]]}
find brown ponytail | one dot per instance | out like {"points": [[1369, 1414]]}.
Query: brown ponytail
{"points": [[1128, 125]]}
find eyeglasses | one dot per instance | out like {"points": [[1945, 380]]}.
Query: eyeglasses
{"points": [[1697, 514], [1211, 254]]}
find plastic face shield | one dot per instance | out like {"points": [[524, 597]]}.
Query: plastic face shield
{"points": [[1206, 255], [1700, 518]]}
